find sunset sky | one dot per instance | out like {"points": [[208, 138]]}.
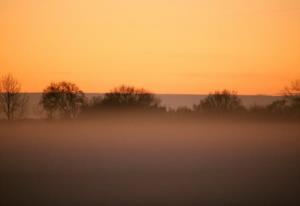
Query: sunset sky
{"points": [[166, 46]]}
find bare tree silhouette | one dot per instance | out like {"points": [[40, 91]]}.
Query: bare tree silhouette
{"points": [[12, 101], [292, 93], [63, 99], [224, 101]]}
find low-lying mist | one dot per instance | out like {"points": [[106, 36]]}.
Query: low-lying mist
{"points": [[137, 160]]}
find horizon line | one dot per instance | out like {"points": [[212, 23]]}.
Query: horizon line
{"points": [[187, 94]]}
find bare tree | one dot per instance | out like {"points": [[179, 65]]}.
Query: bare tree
{"points": [[12, 101], [292, 93]]}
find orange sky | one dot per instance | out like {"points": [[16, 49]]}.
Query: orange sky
{"points": [[166, 46]]}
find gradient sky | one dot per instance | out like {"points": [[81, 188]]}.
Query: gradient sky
{"points": [[166, 46]]}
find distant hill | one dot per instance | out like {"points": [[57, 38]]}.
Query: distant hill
{"points": [[168, 100]]}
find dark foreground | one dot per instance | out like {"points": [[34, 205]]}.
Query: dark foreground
{"points": [[140, 162]]}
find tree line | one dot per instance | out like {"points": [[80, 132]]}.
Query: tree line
{"points": [[66, 100]]}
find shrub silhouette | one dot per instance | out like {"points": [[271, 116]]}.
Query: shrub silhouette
{"points": [[220, 102], [184, 110], [278, 107], [127, 97], [62, 99]]}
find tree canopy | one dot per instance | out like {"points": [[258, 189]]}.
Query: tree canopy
{"points": [[63, 99], [130, 98], [220, 101]]}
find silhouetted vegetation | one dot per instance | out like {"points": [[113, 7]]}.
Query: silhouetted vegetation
{"points": [[126, 98], [292, 95], [220, 102], [278, 108], [63, 99], [184, 110], [66, 100], [286, 107], [12, 101]]}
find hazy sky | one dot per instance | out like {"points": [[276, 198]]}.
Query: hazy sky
{"points": [[167, 46]]}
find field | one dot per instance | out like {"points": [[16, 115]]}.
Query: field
{"points": [[139, 161]]}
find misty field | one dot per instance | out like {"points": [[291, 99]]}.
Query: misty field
{"points": [[149, 162]]}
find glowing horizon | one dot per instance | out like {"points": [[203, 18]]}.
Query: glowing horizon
{"points": [[176, 47]]}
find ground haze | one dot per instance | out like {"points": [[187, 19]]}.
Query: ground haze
{"points": [[146, 161]]}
